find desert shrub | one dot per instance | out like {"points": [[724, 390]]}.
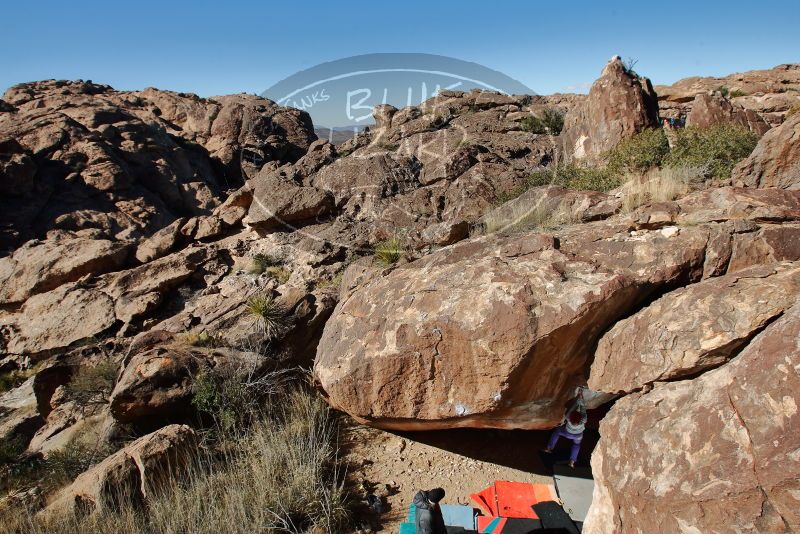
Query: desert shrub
{"points": [[723, 90], [737, 92], [14, 378], [261, 262], [639, 152], [93, 384], [390, 147], [236, 397], [280, 476], [659, 185], [281, 274], [64, 464], [11, 448], [389, 251], [551, 121], [524, 217], [792, 110], [717, 148], [629, 64], [334, 282], [202, 339], [270, 317], [575, 176]]}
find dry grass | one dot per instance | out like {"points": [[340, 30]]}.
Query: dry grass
{"points": [[659, 185], [521, 217], [279, 476]]}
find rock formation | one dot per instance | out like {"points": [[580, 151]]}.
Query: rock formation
{"points": [[770, 93], [775, 162], [717, 453], [152, 235], [713, 109], [620, 104]]}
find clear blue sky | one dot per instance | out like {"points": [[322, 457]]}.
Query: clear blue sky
{"points": [[226, 47]]}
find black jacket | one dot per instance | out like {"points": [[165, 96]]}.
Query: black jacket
{"points": [[429, 518]]}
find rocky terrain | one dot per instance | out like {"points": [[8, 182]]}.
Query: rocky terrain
{"points": [[157, 237]]}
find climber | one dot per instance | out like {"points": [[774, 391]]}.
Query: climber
{"points": [[572, 428], [429, 519]]}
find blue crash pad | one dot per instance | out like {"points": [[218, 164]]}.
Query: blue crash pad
{"points": [[455, 515]]}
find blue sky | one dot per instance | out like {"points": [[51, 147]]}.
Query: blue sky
{"points": [[227, 47]]}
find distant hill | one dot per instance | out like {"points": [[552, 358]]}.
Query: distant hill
{"points": [[338, 134]]}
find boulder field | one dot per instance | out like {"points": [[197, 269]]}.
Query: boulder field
{"points": [[151, 237]]}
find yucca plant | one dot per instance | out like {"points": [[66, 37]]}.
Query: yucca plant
{"points": [[270, 317], [390, 251]]}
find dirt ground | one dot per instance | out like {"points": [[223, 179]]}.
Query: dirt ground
{"points": [[461, 461]]}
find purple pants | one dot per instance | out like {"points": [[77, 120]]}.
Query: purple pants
{"points": [[575, 438]]}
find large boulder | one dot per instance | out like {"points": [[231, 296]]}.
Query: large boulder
{"points": [[775, 162], [496, 331], [718, 453], [469, 336], [714, 109], [693, 329], [620, 104], [135, 472], [38, 267]]}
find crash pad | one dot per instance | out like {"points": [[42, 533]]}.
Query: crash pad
{"points": [[490, 525], [454, 515], [486, 500], [458, 515], [514, 499], [575, 488], [408, 528]]}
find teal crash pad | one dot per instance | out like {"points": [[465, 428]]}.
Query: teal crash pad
{"points": [[455, 515]]}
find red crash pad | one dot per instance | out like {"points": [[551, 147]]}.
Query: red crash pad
{"points": [[512, 499]]}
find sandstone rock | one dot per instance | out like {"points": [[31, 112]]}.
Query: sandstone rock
{"points": [[128, 164], [156, 384], [135, 472], [775, 162], [469, 336], [160, 243], [57, 319], [279, 201], [768, 92], [693, 329], [619, 105], [713, 454], [401, 351], [38, 267], [713, 109]]}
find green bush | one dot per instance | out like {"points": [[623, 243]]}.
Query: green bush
{"points": [[551, 122], [737, 92], [639, 152], [14, 378], [723, 90], [64, 464], [574, 176], [262, 262], [717, 149], [389, 251], [93, 384]]}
